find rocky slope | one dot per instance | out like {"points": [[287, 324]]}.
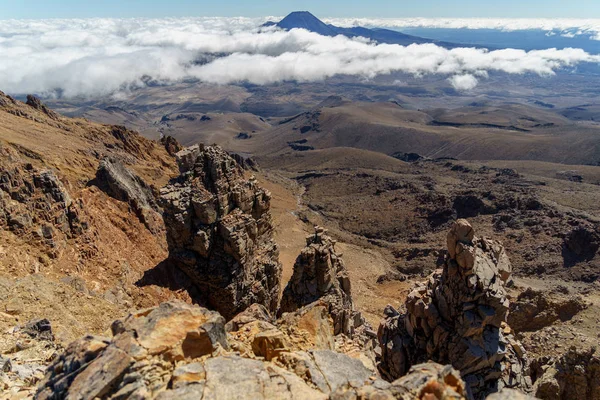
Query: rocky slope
{"points": [[61, 211], [182, 351], [84, 244], [76, 233]]}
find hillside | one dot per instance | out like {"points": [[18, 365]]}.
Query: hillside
{"points": [[508, 132], [56, 221]]}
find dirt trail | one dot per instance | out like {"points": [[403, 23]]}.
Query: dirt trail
{"points": [[364, 265]]}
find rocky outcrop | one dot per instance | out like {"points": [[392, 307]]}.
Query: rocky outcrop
{"points": [[459, 317], [36, 205], [36, 103], [182, 351], [220, 233], [583, 241], [171, 145], [247, 163], [574, 375], [320, 274], [141, 357], [119, 182], [536, 309]]}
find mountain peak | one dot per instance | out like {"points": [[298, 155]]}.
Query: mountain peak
{"points": [[306, 20]]}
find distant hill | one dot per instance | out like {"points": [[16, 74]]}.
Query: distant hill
{"points": [[503, 132], [306, 20]]}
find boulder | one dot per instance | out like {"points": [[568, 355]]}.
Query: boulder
{"points": [[459, 317], [116, 180], [583, 241], [220, 233], [574, 375], [137, 362]]}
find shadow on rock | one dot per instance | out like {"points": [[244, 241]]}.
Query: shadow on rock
{"points": [[165, 276]]}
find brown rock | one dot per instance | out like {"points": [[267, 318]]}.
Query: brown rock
{"points": [[270, 344], [459, 317], [220, 232], [138, 363], [320, 274], [574, 375], [310, 327], [139, 359]]}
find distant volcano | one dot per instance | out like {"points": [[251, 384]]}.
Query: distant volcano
{"points": [[305, 20]]}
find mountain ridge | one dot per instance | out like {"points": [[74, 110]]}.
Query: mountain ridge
{"points": [[306, 20]]}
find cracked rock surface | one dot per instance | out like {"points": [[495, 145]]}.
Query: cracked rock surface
{"points": [[459, 317], [220, 233]]}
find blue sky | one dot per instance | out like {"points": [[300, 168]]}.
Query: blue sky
{"points": [[331, 8]]}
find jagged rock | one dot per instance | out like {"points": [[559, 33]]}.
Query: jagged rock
{"points": [[253, 333], [36, 103], [574, 375], [423, 381], [119, 182], [459, 317], [256, 312], [40, 329], [536, 309], [171, 145], [35, 204], [320, 274], [180, 351], [310, 327], [220, 233], [247, 163], [138, 361]]}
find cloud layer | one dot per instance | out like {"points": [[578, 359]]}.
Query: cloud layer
{"points": [[567, 27], [105, 56]]}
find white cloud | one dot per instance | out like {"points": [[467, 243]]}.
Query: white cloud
{"points": [[107, 56], [463, 82], [568, 27]]}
